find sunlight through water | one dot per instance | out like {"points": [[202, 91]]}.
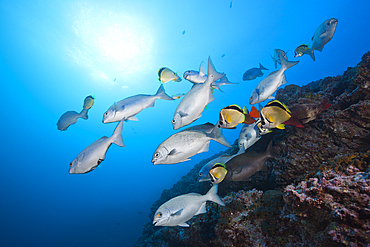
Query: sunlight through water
{"points": [[111, 44]]}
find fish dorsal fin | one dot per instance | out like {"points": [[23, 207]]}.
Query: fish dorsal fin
{"points": [[202, 69], [177, 213], [278, 104], [219, 165], [183, 114]]}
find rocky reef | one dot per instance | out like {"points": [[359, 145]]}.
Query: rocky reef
{"points": [[316, 194]]}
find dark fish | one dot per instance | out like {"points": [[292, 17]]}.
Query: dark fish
{"points": [[231, 4], [183, 32], [253, 73], [223, 55], [304, 113], [242, 166]]}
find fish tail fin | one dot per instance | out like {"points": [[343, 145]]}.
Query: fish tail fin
{"points": [[83, 113], [117, 135], [217, 136], [161, 94], [212, 73], [312, 55], [261, 67], [254, 113], [285, 64], [212, 195]]}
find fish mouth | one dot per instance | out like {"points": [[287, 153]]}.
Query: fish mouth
{"points": [[155, 222]]}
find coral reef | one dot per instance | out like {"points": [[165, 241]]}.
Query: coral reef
{"points": [[316, 194]]}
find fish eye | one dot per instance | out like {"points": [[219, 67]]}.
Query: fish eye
{"points": [[105, 114], [173, 120], [156, 154], [70, 164], [159, 215], [200, 174]]}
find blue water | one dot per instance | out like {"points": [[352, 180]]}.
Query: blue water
{"points": [[55, 53]]}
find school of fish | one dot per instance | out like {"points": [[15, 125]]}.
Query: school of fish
{"points": [[181, 146]]}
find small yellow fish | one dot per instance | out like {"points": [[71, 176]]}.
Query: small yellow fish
{"points": [[273, 115], [89, 102], [166, 75], [301, 50], [232, 115], [218, 173]]}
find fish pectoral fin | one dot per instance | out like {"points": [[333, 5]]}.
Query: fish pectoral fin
{"points": [[202, 209], [81, 157], [238, 170], [173, 152], [323, 34], [281, 126], [271, 97], [133, 118], [178, 213], [183, 114], [205, 148], [183, 224]]}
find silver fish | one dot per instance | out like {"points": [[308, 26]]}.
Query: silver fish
{"points": [[270, 84], [194, 102], [126, 109], [242, 166], [249, 135], [324, 33], [71, 117], [180, 209], [94, 154], [196, 77], [187, 143]]}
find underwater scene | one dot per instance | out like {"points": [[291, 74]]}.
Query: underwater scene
{"points": [[185, 123]]}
